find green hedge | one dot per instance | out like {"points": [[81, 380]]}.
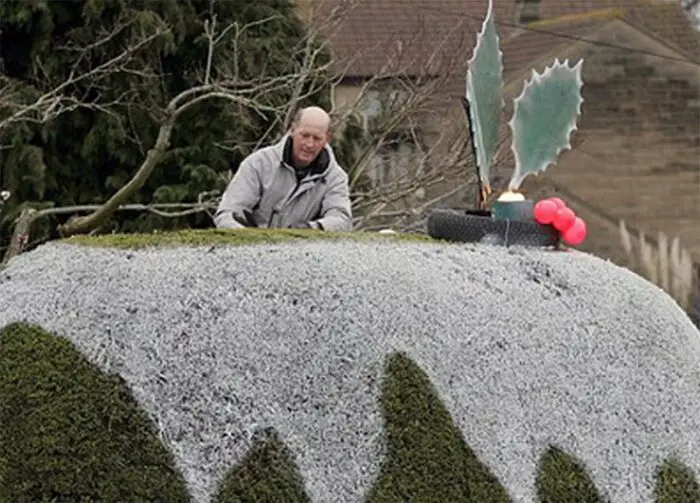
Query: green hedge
{"points": [[561, 477], [676, 483], [267, 473], [71, 433], [233, 237], [427, 458]]}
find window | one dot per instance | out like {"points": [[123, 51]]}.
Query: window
{"points": [[528, 11], [394, 160]]}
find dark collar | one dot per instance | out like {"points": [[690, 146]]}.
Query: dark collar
{"points": [[316, 167]]}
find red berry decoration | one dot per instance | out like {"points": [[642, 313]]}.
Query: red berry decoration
{"points": [[544, 211], [564, 219], [576, 233], [558, 202]]}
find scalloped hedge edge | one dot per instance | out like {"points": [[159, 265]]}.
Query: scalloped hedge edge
{"points": [[72, 433]]}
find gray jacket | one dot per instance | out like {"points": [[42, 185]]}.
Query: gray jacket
{"points": [[267, 186]]}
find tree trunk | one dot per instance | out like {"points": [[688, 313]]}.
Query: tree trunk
{"points": [[20, 235]]}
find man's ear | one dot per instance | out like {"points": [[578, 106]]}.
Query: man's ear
{"points": [[329, 137]]}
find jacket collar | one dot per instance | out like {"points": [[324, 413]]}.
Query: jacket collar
{"points": [[319, 166]]}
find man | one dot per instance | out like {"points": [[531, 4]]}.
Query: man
{"points": [[295, 183]]}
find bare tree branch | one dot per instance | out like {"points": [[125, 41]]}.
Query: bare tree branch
{"points": [[59, 99], [28, 216], [104, 212], [412, 119]]}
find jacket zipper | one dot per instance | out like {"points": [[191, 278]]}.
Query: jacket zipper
{"points": [[291, 195]]}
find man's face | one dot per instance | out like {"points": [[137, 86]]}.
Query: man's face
{"points": [[308, 141]]}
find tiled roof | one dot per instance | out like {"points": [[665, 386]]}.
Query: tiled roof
{"points": [[419, 37], [520, 50], [566, 21], [372, 27], [550, 9], [669, 24], [414, 37]]}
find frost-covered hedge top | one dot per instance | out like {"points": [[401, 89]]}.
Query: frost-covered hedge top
{"points": [[526, 348]]}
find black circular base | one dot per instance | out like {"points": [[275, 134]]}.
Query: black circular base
{"points": [[477, 226]]}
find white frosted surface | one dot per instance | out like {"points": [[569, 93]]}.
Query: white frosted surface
{"points": [[526, 348]]}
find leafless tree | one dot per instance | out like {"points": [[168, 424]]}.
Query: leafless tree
{"points": [[228, 86], [408, 135], [223, 83], [413, 152]]}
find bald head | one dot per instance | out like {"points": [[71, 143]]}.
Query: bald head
{"points": [[310, 134], [312, 116]]}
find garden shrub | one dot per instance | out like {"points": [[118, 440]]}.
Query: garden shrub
{"points": [[71, 433], [267, 473], [562, 478], [675, 483], [427, 458]]}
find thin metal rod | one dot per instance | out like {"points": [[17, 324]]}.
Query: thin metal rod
{"points": [[480, 191]]}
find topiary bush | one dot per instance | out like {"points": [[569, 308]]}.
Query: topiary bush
{"points": [[675, 483], [427, 457], [266, 473], [561, 477], [271, 366], [71, 433]]}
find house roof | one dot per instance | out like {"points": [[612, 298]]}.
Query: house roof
{"points": [[420, 37], [524, 47], [567, 21], [669, 24], [411, 37], [552, 9], [370, 29]]}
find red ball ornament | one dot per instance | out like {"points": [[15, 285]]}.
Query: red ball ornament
{"points": [[558, 202], [544, 211], [564, 219], [576, 234]]}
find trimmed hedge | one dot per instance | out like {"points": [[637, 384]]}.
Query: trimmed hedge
{"points": [[229, 237], [267, 473], [71, 433], [561, 477], [427, 458], [676, 483]]}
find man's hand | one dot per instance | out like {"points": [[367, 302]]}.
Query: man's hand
{"points": [[246, 220]]}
